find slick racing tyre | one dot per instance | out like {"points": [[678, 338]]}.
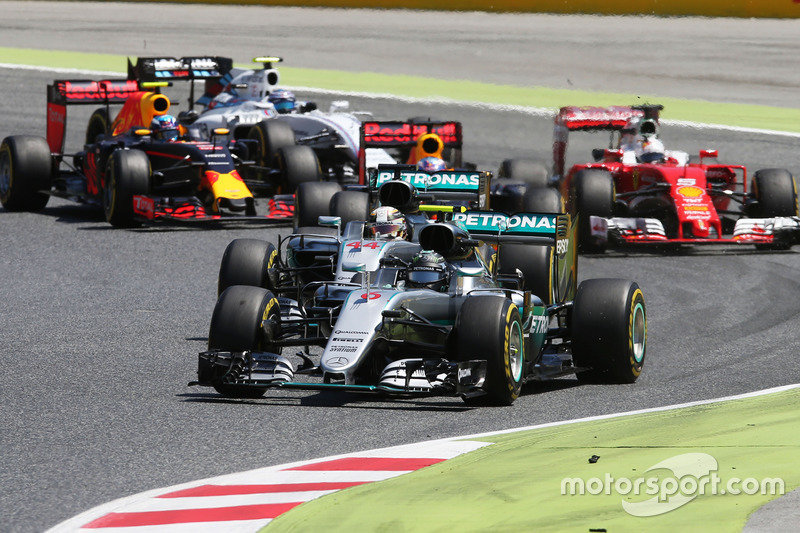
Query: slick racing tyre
{"points": [[609, 331], [350, 206], [245, 318], [528, 171], [776, 192], [97, 126], [272, 135], [592, 195], [542, 200], [250, 262], [127, 175], [490, 328], [25, 169], [313, 200], [536, 264], [297, 164]]}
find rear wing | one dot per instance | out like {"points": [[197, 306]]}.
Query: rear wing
{"points": [[207, 68], [404, 136], [405, 187], [520, 228], [63, 93], [537, 229], [575, 118]]}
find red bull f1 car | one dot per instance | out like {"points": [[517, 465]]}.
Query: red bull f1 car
{"points": [[136, 177], [637, 195]]}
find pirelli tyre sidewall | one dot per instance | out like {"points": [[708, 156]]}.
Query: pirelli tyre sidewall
{"points": [[97, 125], [489, 328], [25, 169], [127, 175], [272, 135], [608, 329], [250, 262], [244, 318]]}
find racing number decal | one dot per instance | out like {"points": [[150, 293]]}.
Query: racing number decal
{"points": [[637, 340], [374, 245]]}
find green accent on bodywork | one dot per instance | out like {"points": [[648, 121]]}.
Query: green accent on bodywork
{"points": [[740, 115], [491, 489]]}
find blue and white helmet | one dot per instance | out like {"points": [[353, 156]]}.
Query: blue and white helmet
{"points": [[283, 100], [165, 128], [431, 164]]}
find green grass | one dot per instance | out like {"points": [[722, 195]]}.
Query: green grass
{"points": [[746, 116]]}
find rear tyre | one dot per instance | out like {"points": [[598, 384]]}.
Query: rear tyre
{"points": [[350, 206], [609, 331], [536, 265], [127, 175], [98, 125], [249, 262], [776, 192], [490, 328], [313, 200], [543, 200], [272, 135], [297, 164], [592, 195], [25, 170], [528, 171], [245, 318]]}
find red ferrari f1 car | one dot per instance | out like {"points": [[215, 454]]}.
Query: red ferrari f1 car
{"points": [[636, 192]]}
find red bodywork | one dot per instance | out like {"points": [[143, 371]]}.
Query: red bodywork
{"points": [[693, 195]]}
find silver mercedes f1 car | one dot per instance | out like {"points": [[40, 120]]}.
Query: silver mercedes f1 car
{"points": [[458, 318]]}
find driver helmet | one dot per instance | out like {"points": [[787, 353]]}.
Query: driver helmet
{"points": [[431, 164], [389, 223], [283, 100], [652, 151], [165, 128], [428, 270]]}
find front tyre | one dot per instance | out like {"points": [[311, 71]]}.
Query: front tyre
{"points": [[249, 262], [350, 206], [490, 328], [776, 192], [127, 175], [245, 318], [313, 200], [272, 135], [609, 331], [297, 164], [25, 168], [592, 195], [97, 125]]}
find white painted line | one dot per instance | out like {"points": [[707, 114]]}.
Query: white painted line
{"points": [[533, 111]]}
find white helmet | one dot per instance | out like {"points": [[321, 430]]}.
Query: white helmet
{"points": [[389, 223]]}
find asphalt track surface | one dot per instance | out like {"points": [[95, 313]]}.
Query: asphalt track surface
{"points": [[100, 327]]}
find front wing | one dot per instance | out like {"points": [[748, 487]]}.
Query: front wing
{"points": [[406, 377], [620, 230], [191, 210]]}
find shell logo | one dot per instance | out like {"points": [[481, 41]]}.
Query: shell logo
{"points": [[690, 192]]}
